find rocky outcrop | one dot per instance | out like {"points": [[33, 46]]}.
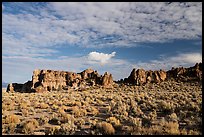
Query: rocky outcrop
{"points": [[140, 77], [107, 80], [186, 74], [50, 80], [14, 87]]}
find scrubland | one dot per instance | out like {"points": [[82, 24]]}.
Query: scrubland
{"points": [[168, 108]]}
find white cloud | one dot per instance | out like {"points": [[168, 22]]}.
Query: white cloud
{"points": [[101, 58], [10, 65], [166, 63], [119, 68], [187, 58], [29, 37], [85, 23]]}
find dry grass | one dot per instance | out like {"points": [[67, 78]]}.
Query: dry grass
{"points": [[168, 108], [106, 128], [29, 126]]}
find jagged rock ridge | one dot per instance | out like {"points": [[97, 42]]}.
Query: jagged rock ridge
{"points": [[50, 80], [140, 76]]}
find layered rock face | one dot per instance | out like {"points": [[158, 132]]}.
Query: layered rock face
{"points": [[50, 80]]}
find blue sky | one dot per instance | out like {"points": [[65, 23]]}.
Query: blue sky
{"points": [[113, 37]]}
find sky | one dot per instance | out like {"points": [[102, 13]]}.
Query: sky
{"points": [[104, 36]]}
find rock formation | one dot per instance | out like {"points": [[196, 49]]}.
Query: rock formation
{"points": [[140, 76], [107, 80], [186, 74], [14, 87], [50, 80]]}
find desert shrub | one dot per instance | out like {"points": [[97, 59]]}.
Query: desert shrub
{"points": [[10, 128], [35, 104], [54, 130], [11, 106], [114, 121], [23, 105], [11, 119], [43, 120], [93, 110], [76, 111], [165, 107], [183, 132], [63, 107], [153, 130], [78, 103], [25, 112], [85, 103], [43, 106], [136, 111], [61, 110], [54, 121], [68, 128], [64, 118], [146, 121], [152, 115], [173, 117], [171, 128], [29, 126], [119, 108], [99, 102], [4, 106], [136, 122], [193, 132], [79, 122], [55, 107], [93, 122], [105, 128], [107, 109]]}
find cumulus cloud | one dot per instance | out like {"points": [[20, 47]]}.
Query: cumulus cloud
{"points": [[12, 64], [101, 58], [119, 68]]}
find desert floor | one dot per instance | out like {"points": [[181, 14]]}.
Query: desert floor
{"points": [[163, 109]]}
